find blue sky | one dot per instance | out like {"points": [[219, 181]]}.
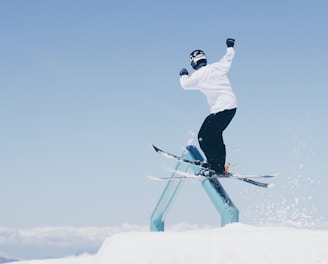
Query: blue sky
{"points": [[86, 86]]}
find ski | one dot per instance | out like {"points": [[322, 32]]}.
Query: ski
{"points": [[226, 175], [197, 163], [199, 177], [203, 165]]}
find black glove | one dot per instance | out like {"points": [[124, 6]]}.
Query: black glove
{"points": [[184, 72], [230, 42]]}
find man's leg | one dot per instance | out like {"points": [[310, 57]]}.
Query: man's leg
{"points": [[211, 139]]}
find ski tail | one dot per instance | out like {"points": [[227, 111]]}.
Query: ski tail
{"points": [[257, 183]]}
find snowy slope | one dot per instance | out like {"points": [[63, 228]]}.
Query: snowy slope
{"points": [[233, 244], [84, 259]]}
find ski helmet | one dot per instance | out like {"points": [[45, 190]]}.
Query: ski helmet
{"points": [[198, 59]]}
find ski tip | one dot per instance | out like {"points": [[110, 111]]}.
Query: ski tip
{"points": [[154, 147], [270, 175], [270, 185], [154, 178]]}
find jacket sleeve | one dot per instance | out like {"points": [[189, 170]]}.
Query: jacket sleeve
{"points": [[224, 64], [189, 82]]}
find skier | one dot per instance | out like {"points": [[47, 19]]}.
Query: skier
{"points": [[212, 80]]}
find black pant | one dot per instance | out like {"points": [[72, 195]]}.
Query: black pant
{"points": [[211, 140]]}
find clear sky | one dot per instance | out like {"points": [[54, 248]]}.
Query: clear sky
{"points": [[86, 86]]}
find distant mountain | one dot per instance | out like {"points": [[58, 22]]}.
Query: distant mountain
{"points": [[5, 260]]}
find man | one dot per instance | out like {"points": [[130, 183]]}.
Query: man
{"points": [[212, 81]]}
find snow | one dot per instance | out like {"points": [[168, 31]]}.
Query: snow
{"points": [[234, 244]]}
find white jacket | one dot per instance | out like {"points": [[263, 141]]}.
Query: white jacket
{"points": [[212, 81]]}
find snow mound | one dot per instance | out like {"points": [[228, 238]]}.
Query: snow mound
{"points": [[233, 244], [83, 259]]}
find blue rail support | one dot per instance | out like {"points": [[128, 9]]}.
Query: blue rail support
{"points": [[168, 196], [221, 200], [227, 210]]}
